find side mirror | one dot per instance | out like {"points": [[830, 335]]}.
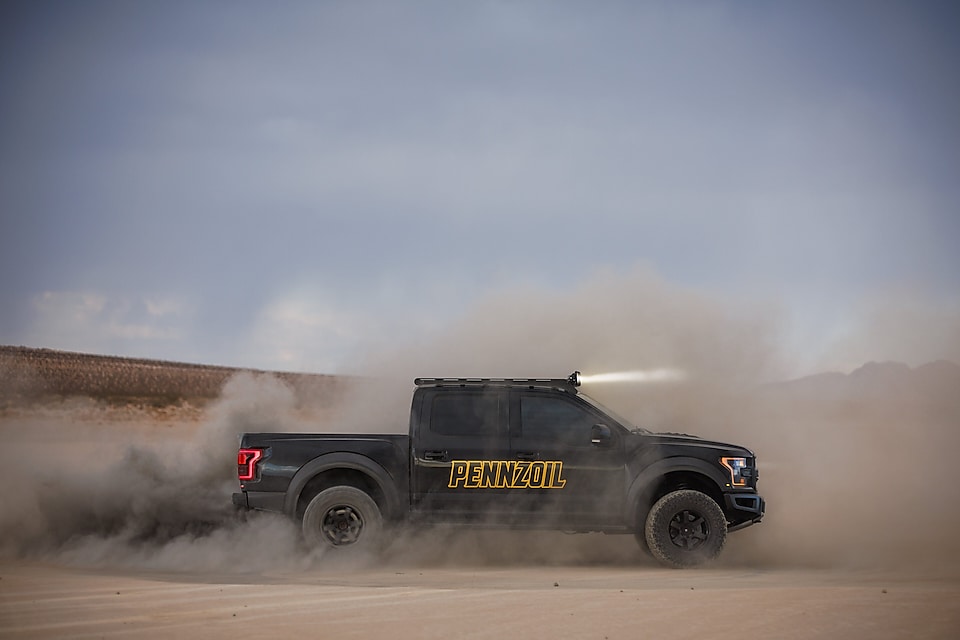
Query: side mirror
{"points": [[600, 435]]}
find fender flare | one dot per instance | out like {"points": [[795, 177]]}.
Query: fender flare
{"points": [[648, 478], [342, 460]]}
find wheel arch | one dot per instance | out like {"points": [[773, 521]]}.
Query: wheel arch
{"points": [[668, 475], [342, 468]]}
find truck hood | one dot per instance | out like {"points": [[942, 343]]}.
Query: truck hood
{"points": [[684, 441]]}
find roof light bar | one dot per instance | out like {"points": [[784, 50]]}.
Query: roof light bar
{"points": [[573, 380]]}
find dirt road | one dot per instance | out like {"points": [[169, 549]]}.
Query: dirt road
{"points": [[43, 601]]}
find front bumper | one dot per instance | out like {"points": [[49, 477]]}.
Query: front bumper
{"points": [[743, 509]]}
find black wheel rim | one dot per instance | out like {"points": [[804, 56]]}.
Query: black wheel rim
{"points": [[689, 529], [342, 525]]}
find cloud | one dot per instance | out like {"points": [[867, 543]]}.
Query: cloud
{"points": [[306, 329], [99, 323], [165, 305]]}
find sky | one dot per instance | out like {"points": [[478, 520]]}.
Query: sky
{"points": [[292, 185]]}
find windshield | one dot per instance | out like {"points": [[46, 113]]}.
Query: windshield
{"points": [[613, 414]]}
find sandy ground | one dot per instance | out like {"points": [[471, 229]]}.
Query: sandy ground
{"points": [[43, 601]]}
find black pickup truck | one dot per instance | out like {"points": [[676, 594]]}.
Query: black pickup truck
{"points": [[516, 453]]}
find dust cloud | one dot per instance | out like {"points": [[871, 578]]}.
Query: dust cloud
{"points": [[150, 496], [856, 466], [908, 328], [608, 323], [858, 469]]}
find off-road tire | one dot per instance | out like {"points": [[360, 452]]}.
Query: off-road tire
{"points": [[685, 528], [343, 519]]}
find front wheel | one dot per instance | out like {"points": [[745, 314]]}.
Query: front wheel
{"points": [[685, 528], [343, 518]]}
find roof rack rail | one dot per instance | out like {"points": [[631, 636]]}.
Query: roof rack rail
{"points": [[573, 380]]}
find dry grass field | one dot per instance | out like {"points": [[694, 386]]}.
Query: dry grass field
{"points": [[37, 376], [117, 522]]}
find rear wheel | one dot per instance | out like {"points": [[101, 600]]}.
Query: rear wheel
{"points": [[343, 518], [685, 528]]}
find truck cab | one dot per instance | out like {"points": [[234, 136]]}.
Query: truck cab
{"points": [[519, 454]]}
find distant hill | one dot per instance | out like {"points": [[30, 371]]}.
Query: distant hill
{"points": [[880, 385], [29, 375], [879, 375]]}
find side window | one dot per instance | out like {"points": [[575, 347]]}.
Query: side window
{"points": [[464, 414], [555, 419]]}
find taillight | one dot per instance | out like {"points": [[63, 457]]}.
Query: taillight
{"points": [[247, 463]]}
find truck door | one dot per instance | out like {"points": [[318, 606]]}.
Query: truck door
{"points": [[580, 450], [456, 425]]}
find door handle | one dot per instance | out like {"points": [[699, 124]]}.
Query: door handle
{"points": [[435, 455], [528, 455]]}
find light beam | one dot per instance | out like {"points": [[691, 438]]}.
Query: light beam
{"points": [[651, 375]]}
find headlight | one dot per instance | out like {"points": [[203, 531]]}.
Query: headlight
{"points": [[574, 378], [738, 470]]}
